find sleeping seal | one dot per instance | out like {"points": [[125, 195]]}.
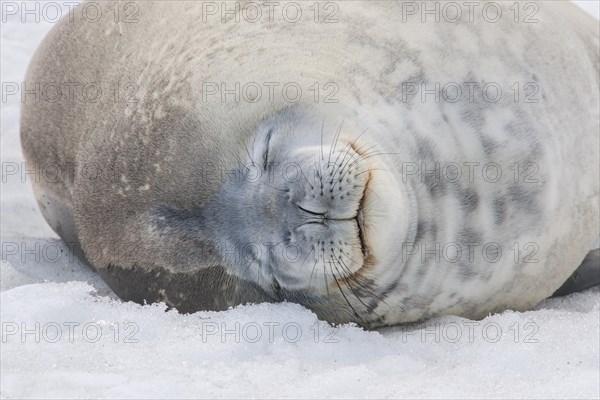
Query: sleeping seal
{"points": [[368, 160]]}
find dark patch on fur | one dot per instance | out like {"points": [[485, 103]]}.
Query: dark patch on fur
{"points": [[469, 199], [499, 206], [466, 270], [488, 144], [468, 235], [524, 199], [431, 178], [425, 229]]}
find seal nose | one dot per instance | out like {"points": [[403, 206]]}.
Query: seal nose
{"points": [[334, 188]]}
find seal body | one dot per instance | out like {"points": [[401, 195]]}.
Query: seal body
{"points": [[426, 168]]}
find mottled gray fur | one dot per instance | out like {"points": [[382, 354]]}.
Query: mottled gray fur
{"points": [[181, 197]]}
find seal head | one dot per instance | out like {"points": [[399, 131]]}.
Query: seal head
{"points": [[326, 209]]}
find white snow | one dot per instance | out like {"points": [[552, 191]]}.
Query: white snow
{"points": [[65, 335]]}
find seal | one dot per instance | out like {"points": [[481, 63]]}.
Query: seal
{"points": [[368, 160]]}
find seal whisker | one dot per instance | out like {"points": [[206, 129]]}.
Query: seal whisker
{"points": [[355, 276], [275, 188], [249, 155], [334, 145], [342, 165], [372, 191], [318, 258], [357, 159], [325, 275], [322, 129], [352, 147], [305, 178], [313, 271], [371, 169], [335, 263], [356, 314], [335, 165], [364, 157]]}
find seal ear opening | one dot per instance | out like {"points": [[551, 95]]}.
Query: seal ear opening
{"points": [[586, 276]]}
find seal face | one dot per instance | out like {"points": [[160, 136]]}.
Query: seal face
{"points": [[380, 208], [324, 209]]}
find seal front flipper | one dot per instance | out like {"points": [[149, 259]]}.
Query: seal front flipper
{"points": [[204, 289], [586, 276]]}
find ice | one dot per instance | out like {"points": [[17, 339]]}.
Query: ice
{"points": [[283, 350]]}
